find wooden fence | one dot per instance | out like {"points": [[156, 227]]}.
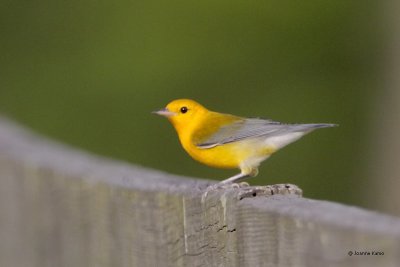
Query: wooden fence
{"points": [[63, 207]]}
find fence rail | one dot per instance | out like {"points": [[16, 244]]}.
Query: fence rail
{"points": [[63, 207]]}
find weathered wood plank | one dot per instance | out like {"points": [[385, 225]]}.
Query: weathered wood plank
{"points": [[64, 207]]}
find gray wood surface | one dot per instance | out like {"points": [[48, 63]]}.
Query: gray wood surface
{"points": [[64, 207]]}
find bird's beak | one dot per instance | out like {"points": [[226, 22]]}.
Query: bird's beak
{"points": [[164, 112]]}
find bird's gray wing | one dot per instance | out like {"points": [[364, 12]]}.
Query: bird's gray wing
{"points": [[253, 128]]}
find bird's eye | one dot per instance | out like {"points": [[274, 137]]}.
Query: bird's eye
{"points": [[184, 109]]}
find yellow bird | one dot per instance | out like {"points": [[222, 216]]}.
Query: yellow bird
{"points": [[227, 141]]}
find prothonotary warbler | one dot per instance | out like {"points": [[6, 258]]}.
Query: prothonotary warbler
{"points": [[227, 141]]}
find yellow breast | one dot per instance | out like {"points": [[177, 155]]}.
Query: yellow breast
{"points": [[230, 155]]}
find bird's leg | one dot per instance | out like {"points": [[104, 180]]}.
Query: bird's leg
{"points": [[245, 173], [234, 179], [227, 183]]}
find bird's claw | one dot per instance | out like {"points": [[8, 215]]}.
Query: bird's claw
{"points": [[223, 186], [227, 186]]}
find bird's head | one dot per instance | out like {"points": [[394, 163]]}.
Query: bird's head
{"points": [[183, 113]]}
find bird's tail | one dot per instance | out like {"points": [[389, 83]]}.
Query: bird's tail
{"points": [[311, 126], [292, 132]]}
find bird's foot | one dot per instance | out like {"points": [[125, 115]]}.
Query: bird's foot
{"points": [[223, 186]]}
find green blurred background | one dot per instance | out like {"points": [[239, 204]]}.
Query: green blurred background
{"points": [[88, 73]]}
